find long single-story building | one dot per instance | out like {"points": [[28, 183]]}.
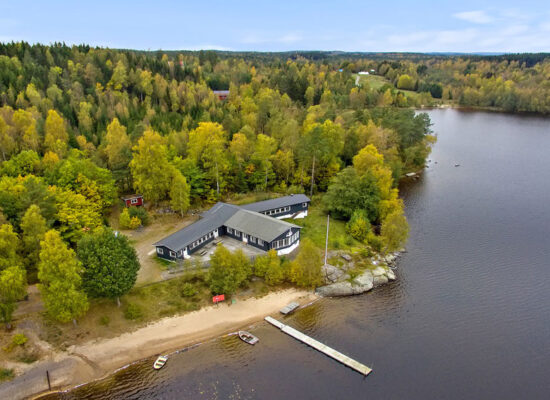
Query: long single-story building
{"points": [[256, 224]]}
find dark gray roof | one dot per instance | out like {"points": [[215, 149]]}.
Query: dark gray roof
{"points": [[212, 219], [276, 203], [258, 225]]}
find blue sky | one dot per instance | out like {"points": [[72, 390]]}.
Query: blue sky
{"points": [[278, 25]]}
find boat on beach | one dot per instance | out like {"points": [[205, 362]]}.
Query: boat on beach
{"points": [[159, 363], [248, 337]]}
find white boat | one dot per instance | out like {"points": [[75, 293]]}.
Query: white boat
{"points": [[159, 363], [248, 337]]}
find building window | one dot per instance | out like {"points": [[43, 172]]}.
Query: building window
{"points": [[134, 201], [172, 253], [260, 242], [237, 233], [229, 230], [252, 239], [304, 205], [160, 250]]}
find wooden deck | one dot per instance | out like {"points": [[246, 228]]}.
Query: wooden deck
{"points": [[356, 365]]}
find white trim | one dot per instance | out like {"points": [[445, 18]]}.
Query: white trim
{"points": [[160, 250], [288, 250]]}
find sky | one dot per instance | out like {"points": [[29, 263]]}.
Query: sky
{"points": [[281, 25]]}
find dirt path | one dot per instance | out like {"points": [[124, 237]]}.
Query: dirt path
{"points": [[144, 238]]}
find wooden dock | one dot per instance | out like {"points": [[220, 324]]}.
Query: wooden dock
{"points": [[356, 365]]}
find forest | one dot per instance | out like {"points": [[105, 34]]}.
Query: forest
{"points": [[82, 126]]}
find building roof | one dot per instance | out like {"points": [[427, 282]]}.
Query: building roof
{"points": [[250, 222], [285, 201], [212, 219], [131, 196], [258, 225], [221, 91]]}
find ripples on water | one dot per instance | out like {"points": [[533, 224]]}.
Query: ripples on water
{"points": [[467, 318]]}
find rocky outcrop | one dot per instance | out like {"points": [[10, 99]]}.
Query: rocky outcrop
{"points": [[363, 283], [332, 274]]}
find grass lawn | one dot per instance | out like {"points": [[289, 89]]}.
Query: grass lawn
{"points": [[374, 81], [315, 228], [377, 81]]}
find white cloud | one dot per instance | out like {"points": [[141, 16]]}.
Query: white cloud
{"points": [[476, 17]]}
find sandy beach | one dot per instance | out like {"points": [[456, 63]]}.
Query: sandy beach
{"points": [[96, 359]]}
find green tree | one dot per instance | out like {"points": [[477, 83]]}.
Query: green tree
{"points": [[60, 281], [405, 82], [320, 145], [118, 147], [394, 231], [126, 221], [75, 214], [33, 227], [151, 170], [55, 134], [179, 193], [305, 270], [348, 191], [110, 264], [358, 226], [208, 144], [227, 271], [13, 287], [263, 150], [269, 268], [9, 245]]}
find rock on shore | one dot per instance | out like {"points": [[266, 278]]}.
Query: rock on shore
{"points": [[340, 283]]}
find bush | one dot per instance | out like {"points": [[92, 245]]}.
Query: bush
{"points": [[6, 374], [133, 312], [188, 290], [359, 225], [140, 213], [105, 320], [19, 339]]}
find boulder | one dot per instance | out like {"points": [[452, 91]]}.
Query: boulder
{"points": [[364, 280], [361, 284], [391, 275], [346, 257], [378, 271], [331, 273], [380, 280]]}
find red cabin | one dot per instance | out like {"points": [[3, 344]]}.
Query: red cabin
{"points": [[221, 94], [133, 200]]}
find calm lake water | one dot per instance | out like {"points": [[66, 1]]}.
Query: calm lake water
{"points": [[468, 317]]}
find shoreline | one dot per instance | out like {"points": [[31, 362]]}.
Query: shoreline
{"points": [[97, 359]]}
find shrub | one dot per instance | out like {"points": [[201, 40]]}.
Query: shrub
{"points": [[19, 339], [6, 374], [359, 225], [141, 213], [188, 290], [104, 320], [133, 312]]}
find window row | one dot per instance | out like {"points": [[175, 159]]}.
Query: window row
{"points": [[235, 232], [201, 240], [285, 242], [277, 210]]}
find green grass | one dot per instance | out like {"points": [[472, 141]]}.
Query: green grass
{"points": [[377, 81], [374, 81], [6, 374], [314, 227]]}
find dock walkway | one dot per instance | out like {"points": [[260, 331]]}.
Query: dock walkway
{"points": [[356, 365]]}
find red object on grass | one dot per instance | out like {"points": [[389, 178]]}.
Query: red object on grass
{"points": [[218, 298]]}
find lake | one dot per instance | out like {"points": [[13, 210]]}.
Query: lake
{"points": [[468, 317]]}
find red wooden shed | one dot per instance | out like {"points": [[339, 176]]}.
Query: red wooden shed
{"points": [[133, 200]]}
